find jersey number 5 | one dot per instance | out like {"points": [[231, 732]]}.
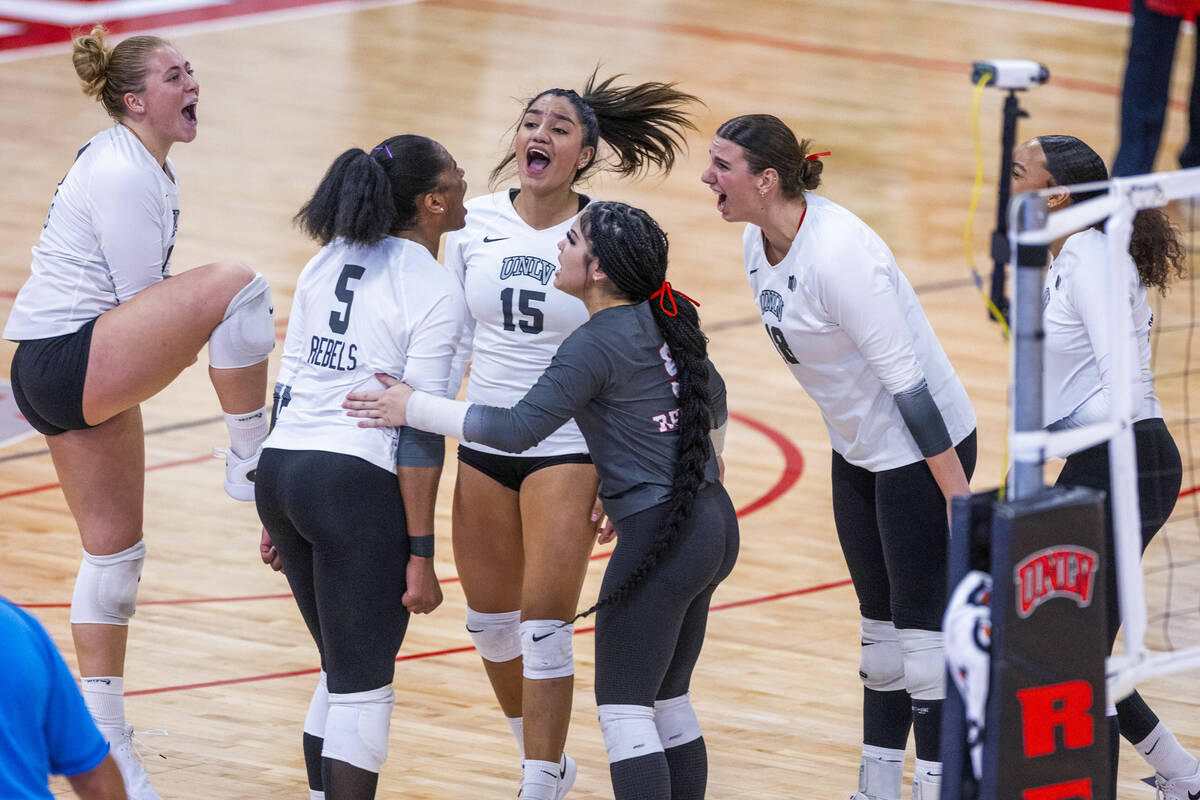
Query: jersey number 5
{"points": [[526, 307], [339, 321], [781, 345]]}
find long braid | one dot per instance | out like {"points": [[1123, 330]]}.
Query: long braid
{"points": [[632, 251]]}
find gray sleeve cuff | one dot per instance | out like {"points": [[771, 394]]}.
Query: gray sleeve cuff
{"points": [[923, 419], [416, 448]]}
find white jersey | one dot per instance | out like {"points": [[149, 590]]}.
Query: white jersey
{"points": [[387, 308], [850, 328], [520, 318], [108, 235], [1078, 352]]}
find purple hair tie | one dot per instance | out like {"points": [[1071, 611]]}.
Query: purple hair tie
{"points": [[385, 149]]}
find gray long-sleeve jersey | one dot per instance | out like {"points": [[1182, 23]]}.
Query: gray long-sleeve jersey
{"points": [[614, 375]]}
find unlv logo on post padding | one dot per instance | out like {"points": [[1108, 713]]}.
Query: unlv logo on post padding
{"points": [[1063, 571]]}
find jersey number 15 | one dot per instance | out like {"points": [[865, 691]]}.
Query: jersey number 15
{"points": [[525, 306]]}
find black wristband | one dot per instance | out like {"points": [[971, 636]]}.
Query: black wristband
{"points": [[421, 546]]}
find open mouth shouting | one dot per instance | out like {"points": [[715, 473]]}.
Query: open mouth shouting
{"points": [[536, 160]]}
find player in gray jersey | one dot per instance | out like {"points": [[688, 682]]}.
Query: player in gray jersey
{"points": [[1079, 391], [850, 328], [350, 511], [102, 326], [522, 524], [637, 379]]}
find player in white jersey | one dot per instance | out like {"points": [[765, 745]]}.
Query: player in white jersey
{"points": [[524, 524], [100, 329], [350, 510], [848, 325], [1079, 389], [637, 378]]}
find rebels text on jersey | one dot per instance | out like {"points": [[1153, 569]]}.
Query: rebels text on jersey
{"points": [[389, 308]]}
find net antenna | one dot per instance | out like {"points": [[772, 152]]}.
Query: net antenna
{"points": [[1014, 76], [1030, 445]]}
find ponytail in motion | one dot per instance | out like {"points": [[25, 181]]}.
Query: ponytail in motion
{"points": [[632, 251], [645, 125], [367, 196], [1154, 245]]}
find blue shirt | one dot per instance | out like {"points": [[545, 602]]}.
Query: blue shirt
{"points": [[44, 725]]}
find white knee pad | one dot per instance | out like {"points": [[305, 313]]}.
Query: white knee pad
{"points": [[318, 709], [497, 637], [356, 728], [547, 648], [106, 587], [629, 732], [246, 334], [924, 664], [676, 722], [881, 664]]}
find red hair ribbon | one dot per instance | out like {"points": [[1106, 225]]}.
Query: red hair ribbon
{"points": [[815, 156], [666, 291]]}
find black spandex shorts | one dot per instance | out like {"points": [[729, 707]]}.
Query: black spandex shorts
{"points": [[47, 380], [511, 471]]}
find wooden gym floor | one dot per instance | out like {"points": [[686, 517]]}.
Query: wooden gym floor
{"points": [[218, 656]]}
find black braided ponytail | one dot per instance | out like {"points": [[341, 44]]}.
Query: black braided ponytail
{"points": [[632, 251]]}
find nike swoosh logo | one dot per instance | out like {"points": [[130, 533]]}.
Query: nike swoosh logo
{"points": [[1151, 750], [562, 771], [551, 774], [487, 240], [537, 638], [472, 630]]}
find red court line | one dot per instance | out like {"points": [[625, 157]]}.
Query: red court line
{"points": [[41, 33], [792, 470], [793, 463], [467, 648], [47, 486]]}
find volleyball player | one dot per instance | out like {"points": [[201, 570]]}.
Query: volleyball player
{"points": [[1079, 390], [847, 323], [100, 330], [521, 526], [637, 379], [350, 510]]}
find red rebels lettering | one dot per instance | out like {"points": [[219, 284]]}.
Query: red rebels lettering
{"points": [[1063, 571], [1069, 790], [1045, 709]]}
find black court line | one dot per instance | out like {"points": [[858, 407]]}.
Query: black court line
{"points": [[150, 432]]}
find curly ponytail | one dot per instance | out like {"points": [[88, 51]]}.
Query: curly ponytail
{"points": [[632, 251], [645, 125], [108, 74], [1154, 244]]}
